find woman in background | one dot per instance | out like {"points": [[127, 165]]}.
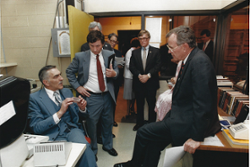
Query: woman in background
{"points": [[128, 93]]}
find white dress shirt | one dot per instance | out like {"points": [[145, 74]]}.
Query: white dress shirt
{"points": [[147, 48], [92, 84]]}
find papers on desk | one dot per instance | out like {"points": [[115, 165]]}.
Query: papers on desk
{"points": [[212, 141], [173, 155]]}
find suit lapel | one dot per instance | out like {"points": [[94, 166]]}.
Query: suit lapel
{"points": [[149, 57], [139, 59], [106, 59], [47, 102], [180, 79], [86, 63]]}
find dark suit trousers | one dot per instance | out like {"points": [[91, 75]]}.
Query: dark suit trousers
{"points": [[140, 97], [150, 140]]}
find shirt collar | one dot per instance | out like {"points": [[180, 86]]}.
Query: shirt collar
{"points": [[147, 47], [93, 55], [50, 93], [185, 60], [207, 42]]}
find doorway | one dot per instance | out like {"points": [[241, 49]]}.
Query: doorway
{"points": [[125, 37]]}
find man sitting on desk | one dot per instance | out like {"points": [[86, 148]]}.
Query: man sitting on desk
{"points": [[193, 115], [54, 113]]}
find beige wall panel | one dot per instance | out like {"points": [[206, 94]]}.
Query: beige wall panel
{"points": [[26, 9], [5, 22], [11, 32], [18, 21], [28, 31], [9, 10]]}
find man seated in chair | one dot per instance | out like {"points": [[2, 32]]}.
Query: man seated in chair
{"points": [[54, 113]]}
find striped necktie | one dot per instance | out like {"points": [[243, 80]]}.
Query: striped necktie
{"points": [[58, 98], [144, 59]]}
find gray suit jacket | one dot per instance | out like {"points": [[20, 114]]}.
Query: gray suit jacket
{"points": [[80, 64], [41, 110]]}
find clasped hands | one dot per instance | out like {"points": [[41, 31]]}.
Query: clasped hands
{"points": [[68, 101], [143, 78]]}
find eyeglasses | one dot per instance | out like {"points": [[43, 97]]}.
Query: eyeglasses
{"points": [[143, 39], [172, 49], [113, 41]]}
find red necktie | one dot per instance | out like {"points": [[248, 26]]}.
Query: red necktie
{"points": [[100, 74], [182, 66]]}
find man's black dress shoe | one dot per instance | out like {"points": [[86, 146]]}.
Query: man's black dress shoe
{"points": [[136, 127], [112, 151], [115, 124], [124, 164], [113, 135]]}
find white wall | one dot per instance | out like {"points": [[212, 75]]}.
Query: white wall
{"points": [[96, 6]]}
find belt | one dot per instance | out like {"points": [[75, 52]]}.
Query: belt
{"points": [[102, 93]]}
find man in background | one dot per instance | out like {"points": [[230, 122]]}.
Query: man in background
{"points": [[95, 26], [54, 113], [145, 64], [95, 84], [113, 40], [207, 44]]}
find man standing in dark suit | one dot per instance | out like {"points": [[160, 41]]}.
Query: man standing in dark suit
{"points": [[193, 114], [207, 44], [145, 64]]}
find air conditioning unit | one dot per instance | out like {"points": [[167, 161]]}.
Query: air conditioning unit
{"points": [[51, 153]]}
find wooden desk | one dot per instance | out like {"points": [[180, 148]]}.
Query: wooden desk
{"points": [[228, 156], [75, 154]]}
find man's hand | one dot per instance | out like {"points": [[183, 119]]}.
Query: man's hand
{"points": [[83, 91], [173, 80], [190, 146], [82, 103], [143, 78], [64, 107], [110, 72]]}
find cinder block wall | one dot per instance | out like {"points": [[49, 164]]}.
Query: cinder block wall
{"points": [[26, 30]]}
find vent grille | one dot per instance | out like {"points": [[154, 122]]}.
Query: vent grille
{"points": [[7, 80], [49, 148], [237, 128]]}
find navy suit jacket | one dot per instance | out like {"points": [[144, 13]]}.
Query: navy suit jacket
{"points": [[41, 110], [80, 64], [194, 101], [209, 49], [153, 65]]}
